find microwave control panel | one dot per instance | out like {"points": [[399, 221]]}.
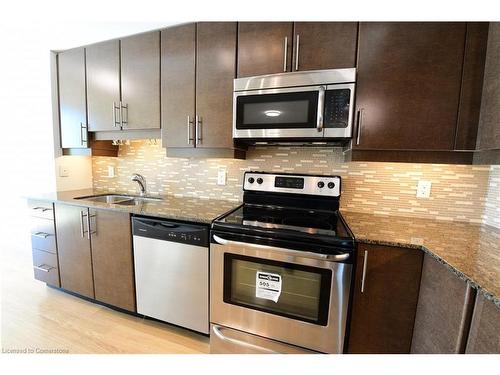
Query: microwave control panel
{"points": [[337, 104]]}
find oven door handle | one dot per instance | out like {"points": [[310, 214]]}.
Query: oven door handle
{"points": [[297, 253], [220, 335]]}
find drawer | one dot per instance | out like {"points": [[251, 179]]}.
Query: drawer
{"points": [[43, 240], [45, 267], [42, 225], [41, 209]]}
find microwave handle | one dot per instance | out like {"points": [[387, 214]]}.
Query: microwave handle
{"points": [[321, 108]]}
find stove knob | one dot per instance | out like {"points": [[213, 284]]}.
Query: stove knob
{"points": [[321, 184], [331, 185], [260, 180], [251, 180]]}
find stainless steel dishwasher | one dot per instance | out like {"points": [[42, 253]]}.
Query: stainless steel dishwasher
{"points": [[171, 272]]}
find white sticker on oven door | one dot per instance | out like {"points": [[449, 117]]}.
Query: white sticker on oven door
{"points": [[268, 286]]}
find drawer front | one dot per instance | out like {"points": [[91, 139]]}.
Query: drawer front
{"points": [[43, 234], [45, 267], [41, 209]]}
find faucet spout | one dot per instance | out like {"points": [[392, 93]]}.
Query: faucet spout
{"points": [[141, 181]]}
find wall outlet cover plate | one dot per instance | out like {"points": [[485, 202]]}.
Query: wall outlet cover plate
{"points": [[424, 189]]}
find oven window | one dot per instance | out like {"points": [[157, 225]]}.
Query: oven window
{"points": [[277, 111], [285, 289]]}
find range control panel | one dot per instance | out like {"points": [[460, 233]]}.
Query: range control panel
{"points": [[294, 184]]}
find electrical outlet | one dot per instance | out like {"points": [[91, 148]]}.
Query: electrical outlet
{"points": [[221, 176], [63, 171], [111, 171], [424, 189]]}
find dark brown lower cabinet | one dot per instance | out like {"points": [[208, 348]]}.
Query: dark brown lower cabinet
{"points": [[484, 335], [444, 310], [95, 254], [112, 260], [385, 299], [75, 261]]}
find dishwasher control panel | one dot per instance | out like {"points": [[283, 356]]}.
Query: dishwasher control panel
{"points": [[172, 231]]}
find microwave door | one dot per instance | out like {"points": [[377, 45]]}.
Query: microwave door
{"points": [[338, 111], [277, 113]]}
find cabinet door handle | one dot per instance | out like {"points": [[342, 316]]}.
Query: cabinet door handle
{"points": [[116, 120], [363, 278], [82, 229], [360, 123], [123, 115], [82, 127], [285, 54], [189, 137], [198, 136], [89, 225], [297, 53]]}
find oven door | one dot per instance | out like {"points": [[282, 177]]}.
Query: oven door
{"points": [[299, 298], [279, 113]]}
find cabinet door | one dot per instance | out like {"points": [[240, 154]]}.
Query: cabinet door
{"points": [[264, 48], [178, 48], [103, 85], [484, 336], [73, 244], [385, 299], [324, 45], [112, 258], [408, 84], [140, 79], [215, 72], [72, 98], [443, 312]]}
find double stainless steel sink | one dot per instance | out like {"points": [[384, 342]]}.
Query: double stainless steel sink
{"points": [[120, 199]]}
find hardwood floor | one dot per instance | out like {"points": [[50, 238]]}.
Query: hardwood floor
{"points": [[35, 316]]}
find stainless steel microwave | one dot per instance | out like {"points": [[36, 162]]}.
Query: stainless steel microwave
{"points": [[314, 106]]}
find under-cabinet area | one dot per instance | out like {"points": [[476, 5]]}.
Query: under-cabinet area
{"points": [[272, 188]]}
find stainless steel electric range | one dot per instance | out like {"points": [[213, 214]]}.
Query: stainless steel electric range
{"points": [[281, 268]]}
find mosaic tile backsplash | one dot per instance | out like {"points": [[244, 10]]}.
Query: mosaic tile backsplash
{"points": [[459, 192]]}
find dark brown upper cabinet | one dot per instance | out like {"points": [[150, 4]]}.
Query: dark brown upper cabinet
{"points": [[418, 89], [72, 98], [123, 83], [324, 45], [264, 48], [198, 69], [408, 85], [385, 299]]}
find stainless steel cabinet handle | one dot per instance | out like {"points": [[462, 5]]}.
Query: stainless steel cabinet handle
{"points": [[123, 115], [83, 126], [285, 54], [116, 121], [360, 119], [43, 267], [321, 108], [189, 137], [220, 335], [82, 230], [363, 278], [198, 135], [297, 53], [42, 208], [301, 254], [90, 231], [41, 234]]}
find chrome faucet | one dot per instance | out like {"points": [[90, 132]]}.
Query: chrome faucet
{"points": [[141, 181]]}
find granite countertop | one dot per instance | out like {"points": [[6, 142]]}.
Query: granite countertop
{"points": [[471, 251], [192, 209]]}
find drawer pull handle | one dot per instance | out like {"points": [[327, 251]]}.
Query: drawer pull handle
{"points": [[42, 208], [41, 234], [44, 267]]}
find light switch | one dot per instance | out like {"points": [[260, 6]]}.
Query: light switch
{"points": [[424, 189], [221, 176], [63, 171]]}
